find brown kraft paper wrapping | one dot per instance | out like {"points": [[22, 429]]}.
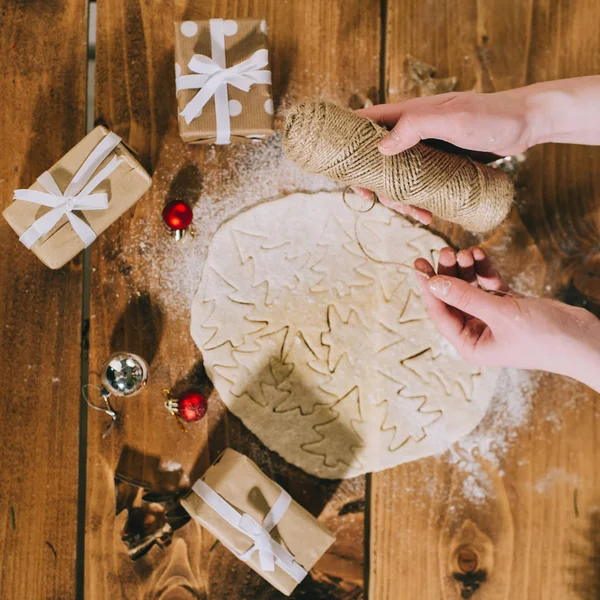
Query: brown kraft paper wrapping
{"points": [[256, 117], [241, 483], [125, 186]]}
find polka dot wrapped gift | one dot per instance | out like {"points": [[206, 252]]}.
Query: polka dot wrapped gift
{"points": [[223, 80]]}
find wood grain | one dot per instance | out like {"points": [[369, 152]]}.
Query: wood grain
{"points": [[531, 531], [41, 117], [142, 284]]}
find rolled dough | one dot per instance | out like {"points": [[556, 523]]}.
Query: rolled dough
{"points": [[314, 334]]}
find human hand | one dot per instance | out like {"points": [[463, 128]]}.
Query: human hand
{"points": [[496, 123], [499, 123], [507, 330]]}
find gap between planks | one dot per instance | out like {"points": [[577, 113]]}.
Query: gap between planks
{"points": [[85, 322], [368, 476]]}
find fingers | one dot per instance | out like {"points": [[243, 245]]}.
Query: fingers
{"points": [[487, 275], [467, 298], [466, 266], [364, 193], [404, 135], [417, 119], [419, 214], [448, 320], [388, 114], [473, 266], [447, 263], [425, 267]]}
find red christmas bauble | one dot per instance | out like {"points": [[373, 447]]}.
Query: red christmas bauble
{"points": [[191, 407], [177, 215]]}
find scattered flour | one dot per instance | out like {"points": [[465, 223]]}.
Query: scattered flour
{"points": [[473, 490], [488, 445], [236, 177], [170, 465], [554, 476]]}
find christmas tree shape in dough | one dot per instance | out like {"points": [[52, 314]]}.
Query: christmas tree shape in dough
{"points": [[425, 365], [408, 417], [229, 323], [414, 309], [340, 439], [303, 384], [253, 368], [381, 237], [338, 268]]}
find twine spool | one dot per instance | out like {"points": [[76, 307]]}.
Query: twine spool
{"points": [[326, 139]]}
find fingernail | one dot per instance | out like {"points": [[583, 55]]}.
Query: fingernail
{"points": [[389, 141], [439, 287]]}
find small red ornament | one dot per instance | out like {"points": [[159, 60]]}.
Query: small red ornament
{"points": [[190, 407], [177, 216]]}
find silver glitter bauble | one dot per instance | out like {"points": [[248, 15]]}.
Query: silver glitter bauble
{"points": [[124, 374]]}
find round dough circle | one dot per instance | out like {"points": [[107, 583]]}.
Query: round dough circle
{"points": [[314, 334]]}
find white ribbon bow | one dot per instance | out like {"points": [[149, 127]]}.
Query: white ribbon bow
{"points": [[270, 552], [212, 76], [77, 196]]}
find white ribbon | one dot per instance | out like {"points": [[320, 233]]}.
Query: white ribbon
{"points": [[212, 76], [270, 552], [77, 196]]}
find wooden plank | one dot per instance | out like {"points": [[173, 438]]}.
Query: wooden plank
{"points": [[143, 283], [42, 115], [513, 515]]}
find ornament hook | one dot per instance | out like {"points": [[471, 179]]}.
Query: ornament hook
{"points": [[172, 405], [107, 409]]}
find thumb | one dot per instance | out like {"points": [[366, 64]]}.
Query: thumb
{"points": [[419, 119], [466, 298]]}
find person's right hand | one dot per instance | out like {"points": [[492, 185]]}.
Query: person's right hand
{"points": [[507, 330]]}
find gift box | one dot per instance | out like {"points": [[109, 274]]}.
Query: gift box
{"points": [[257, 520], [223, 80], [73, 202]]}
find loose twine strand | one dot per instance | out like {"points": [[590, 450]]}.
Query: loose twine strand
{"points": [[326, 139]]}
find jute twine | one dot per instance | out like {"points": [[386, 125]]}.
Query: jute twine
{"points": [[324, 138]]}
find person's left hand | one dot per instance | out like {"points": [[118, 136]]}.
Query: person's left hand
{"points": [[419, 214]]}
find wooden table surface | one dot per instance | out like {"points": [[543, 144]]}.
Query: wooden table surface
{"points": [[511, 513]]}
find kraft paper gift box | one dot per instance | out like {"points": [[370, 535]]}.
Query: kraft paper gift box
{"points": [[73, 202], [223, 80], [234, 498]]}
